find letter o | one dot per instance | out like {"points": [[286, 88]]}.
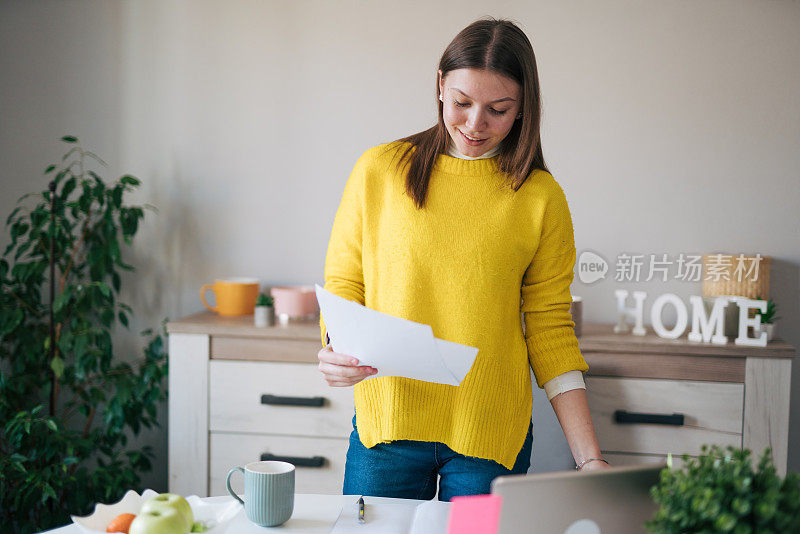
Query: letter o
{"points": [[683, 316]]}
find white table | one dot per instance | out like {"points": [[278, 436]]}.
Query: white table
{"points": [[317, 514]]}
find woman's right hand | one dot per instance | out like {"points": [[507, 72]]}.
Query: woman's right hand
{"points": [[341, 370]]}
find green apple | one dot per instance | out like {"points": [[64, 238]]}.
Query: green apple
{"points": [[174, 502], [163, 520]]}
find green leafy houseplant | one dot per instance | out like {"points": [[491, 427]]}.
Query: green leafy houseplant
{"points": [[769, 317], [719, 491], [264, 300], [66, 410]]}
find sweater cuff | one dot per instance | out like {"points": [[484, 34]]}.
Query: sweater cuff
{"points": [[553, 352]]}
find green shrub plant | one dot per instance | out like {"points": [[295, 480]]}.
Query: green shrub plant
{"points": [[264, 300], [66, 413], [769, 316], [720, 491]]}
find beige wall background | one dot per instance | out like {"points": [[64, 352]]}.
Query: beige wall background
{"points": [[672, 126]]}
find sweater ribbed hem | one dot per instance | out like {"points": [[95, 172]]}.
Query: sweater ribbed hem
{"points": [[383, 415]]}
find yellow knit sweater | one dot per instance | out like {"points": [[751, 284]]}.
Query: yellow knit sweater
{"points": [[467, 264]]}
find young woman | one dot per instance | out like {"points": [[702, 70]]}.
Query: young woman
{"points": [[462, 227]]}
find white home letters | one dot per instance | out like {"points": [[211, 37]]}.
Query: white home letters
{"points": [[637, 312], [704, 328]]}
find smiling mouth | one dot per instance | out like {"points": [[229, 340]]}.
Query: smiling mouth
{"points": [[472, 138]]}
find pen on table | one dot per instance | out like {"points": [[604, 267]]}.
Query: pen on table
{"points": [[361, 510]]}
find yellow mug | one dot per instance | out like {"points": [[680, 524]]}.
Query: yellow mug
{"points": [[234, 296]]}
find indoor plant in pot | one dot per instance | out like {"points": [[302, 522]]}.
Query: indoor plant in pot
{"points": [[719, 491], [768, 319], [70, 399], [264, 314]]}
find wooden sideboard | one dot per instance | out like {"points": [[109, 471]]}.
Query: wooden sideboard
{"points": [[651, 396], [238, 393]]}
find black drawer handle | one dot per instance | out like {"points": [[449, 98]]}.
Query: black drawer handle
{"points": [[317, 402], [621, 416], [297, 461]]}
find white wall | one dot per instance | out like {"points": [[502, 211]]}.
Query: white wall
{"points": [[671, 125]]}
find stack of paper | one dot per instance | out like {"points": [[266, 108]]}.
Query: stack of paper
{"points": [[392, 345]]}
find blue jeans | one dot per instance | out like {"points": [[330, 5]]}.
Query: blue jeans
{"points": [[408, 469]]}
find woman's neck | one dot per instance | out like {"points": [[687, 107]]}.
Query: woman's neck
{"points": [[453, 152]]}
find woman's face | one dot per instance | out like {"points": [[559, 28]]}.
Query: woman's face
{"points": [[478, 104]]}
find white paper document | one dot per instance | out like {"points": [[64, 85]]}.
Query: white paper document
{"points": [[393, 345], [393, 516]]}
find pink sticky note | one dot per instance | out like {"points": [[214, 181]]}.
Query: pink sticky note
{"points": [[474, 514]]}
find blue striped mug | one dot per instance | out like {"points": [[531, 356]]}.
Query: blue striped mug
{"points": [[268, 492]]}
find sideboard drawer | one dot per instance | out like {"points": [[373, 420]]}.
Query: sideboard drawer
{"points": [[235, 400], [230, 450], [273, 350], [712, 413]]}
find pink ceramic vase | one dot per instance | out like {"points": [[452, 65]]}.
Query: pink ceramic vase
{"points": [[293, 302]]}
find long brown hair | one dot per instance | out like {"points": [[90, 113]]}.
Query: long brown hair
{"points": [[499, 46]]}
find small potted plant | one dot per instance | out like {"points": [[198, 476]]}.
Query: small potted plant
{"points": [[719, 491], [264, 312], [768, 319]]}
